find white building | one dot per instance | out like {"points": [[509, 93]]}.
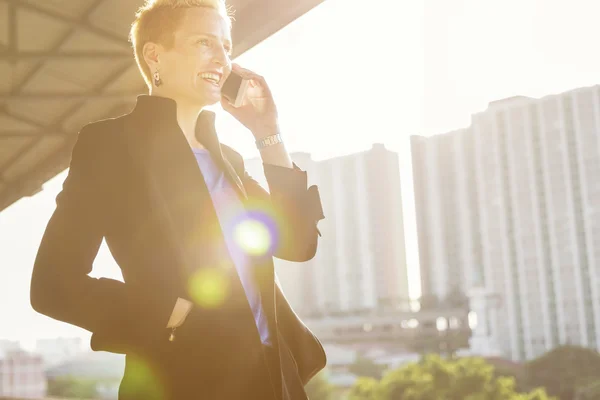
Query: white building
{"points": [[361, 262], [9, 345], [21, 375], [512, 204]]}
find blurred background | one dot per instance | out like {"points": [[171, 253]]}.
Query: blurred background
{"points": [[456, 145]]}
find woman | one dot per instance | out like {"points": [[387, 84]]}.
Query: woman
{"points": [[199, 315]]}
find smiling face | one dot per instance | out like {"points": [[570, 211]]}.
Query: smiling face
{"points": [[195, 67]]}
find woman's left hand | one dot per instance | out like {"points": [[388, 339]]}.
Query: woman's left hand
{"points": [[258, 112]]}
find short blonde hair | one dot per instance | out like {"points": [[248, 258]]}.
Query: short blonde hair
{"points": [[157, 20]]}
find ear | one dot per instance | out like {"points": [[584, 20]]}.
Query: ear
{"points": [[151, 52]]}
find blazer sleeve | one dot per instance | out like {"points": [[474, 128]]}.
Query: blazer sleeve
{"points": [[60, 285], [295, 209]]}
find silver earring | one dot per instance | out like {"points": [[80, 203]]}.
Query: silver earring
{"points": [[157, 80]]}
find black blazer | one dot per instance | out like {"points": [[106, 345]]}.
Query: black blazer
{"points": [[134, 181]]}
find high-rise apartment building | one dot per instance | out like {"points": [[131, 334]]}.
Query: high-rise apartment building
{"points": [[511, 204], [361, 261]]}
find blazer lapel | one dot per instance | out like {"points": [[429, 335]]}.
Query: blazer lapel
{"points": [[234, 179], [207, 135], [179, 193]]}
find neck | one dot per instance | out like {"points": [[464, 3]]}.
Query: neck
{"points": [[187, 117]]}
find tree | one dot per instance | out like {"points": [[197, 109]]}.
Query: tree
{"points": [[365, 367], [72, 388], [507, 368], [563, 370], [318, 388], [435, 378], [588, 390], [364, 389]]}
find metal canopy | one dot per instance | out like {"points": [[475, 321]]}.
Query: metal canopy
{"points": [[64, 63]]}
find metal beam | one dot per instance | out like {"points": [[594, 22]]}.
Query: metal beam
{"points": [[57, 96], [31, 183], [56, 47], [57, 130], [54, 163], [12, 26], [15, 56], [38, 125], [27, 134], [78, 24]]}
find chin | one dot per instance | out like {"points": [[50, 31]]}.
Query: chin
{"points": [[211, 101], [205, 99]]}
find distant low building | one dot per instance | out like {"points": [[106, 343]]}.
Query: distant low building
{"points": [[58, 350], [9, 345], [104, 368], [22, 375]]}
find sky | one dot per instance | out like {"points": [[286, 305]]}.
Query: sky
{"points": [[477, 51], [350, 73]]}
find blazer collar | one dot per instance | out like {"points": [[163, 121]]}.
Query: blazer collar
{"points": [[161, 112]]}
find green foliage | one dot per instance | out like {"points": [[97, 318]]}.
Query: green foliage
{"points": [[72, 388], [437, 379], [563, 370], [318, 388], [505, 368], [588, 391], [367, 368], [364, 388]]}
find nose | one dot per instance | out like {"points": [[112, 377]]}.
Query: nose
{"points": [[221, 57]]}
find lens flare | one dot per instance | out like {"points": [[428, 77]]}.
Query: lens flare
{"points": [[143, 380], [253, 236], [209, 287]]}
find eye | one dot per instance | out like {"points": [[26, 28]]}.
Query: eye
{"points": [[203, 42]]}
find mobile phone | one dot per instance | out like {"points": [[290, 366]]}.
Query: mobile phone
{"points": [[234, 89]]}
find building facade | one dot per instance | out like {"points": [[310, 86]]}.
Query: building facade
{"points": [[511, 205], [361, 261], [22, 375]]}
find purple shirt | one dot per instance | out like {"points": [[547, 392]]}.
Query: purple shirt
{"points": [[229, 207]]}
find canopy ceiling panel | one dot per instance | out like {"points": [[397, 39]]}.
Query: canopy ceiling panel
{"points": [[64, 63]]}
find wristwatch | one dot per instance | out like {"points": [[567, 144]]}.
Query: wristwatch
{"points": [[269, 141]]}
